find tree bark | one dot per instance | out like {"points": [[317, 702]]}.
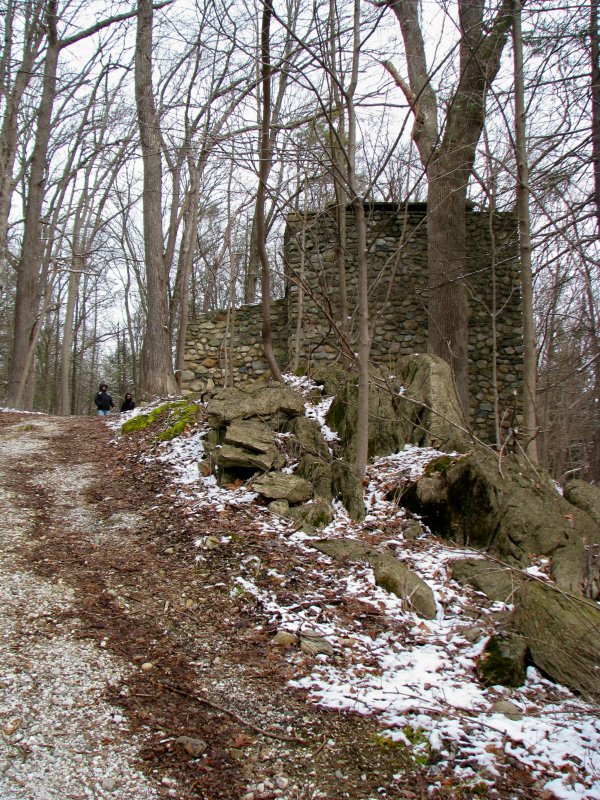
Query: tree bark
{"points": [[364, 336], [595, 85], [265, 154], [186, 256], [156, 367], [529, 432], [12, 102], [448, 161], [29, 290]]}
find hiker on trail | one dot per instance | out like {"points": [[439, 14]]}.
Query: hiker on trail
{"points": [[104, 401], [128, 403]]}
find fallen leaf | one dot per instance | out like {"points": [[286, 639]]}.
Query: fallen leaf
{"points": [[242, 740], [11, 727]]}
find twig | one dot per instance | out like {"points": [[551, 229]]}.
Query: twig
{"points": [[245, 722]]}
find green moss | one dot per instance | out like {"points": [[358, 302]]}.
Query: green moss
{"points": [[177, 415], [141, 421], [439, 465], [495, 668], [416, 736], [420, 755]]}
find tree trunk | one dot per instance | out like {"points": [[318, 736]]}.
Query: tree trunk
{"points": [[66, 349], [364, 337], [448, 335], [157, 376], [448, 161], [186, 256], [595, 85], [265, 154], [529, 432], [29, 290]]}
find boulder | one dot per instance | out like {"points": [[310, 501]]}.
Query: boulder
{"points": [[585, 496], [319, 473], [348, 487], [503, 661], [280, 486], [346, 550], [390, 573], [496, 582], [562, 634], [385, 431], [228, 457], [506, 707], [313, 644], [279, 507], [395, 577], [285, 639], [505, 509], [418, 406], [315, 514], [251, 434], [306, 438], [330, 376], [253, 400], [429, 404]]}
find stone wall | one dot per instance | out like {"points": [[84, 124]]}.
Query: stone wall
{"points": [[225, 347], [397, 241]]}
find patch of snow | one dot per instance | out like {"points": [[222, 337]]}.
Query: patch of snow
{"points": [[419, 674]]}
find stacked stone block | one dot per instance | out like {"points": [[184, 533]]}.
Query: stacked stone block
{"points": [[224, 348], [397, 259]]}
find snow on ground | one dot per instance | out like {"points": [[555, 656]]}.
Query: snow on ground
{"points": [[418, 677]]}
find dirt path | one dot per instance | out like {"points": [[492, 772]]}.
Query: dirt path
{"points": [[127, 669]]}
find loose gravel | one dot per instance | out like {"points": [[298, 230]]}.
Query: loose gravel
{"points": [[59, 737]]}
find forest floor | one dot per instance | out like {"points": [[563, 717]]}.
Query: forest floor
{"points": [[129, 670]]}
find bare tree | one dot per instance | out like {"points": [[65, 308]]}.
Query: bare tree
{"points": [[157, 377], [447, 152], [530, 349], [265, 155], [12, 94], [30, 286]]}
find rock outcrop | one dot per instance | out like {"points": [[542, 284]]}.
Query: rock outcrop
{"points": [[273, 402], [492, 579], [258, 429], [585, 496], [418, 406], [390, 573], [562, 634], [505, 509]]}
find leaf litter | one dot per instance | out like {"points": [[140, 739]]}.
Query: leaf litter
{"points": [[414, 679], [417, 677]]}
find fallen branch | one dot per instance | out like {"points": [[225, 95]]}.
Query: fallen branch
{"points": [[205, 701]]}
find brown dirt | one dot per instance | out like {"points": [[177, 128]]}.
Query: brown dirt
{"points": [[142, 595]]}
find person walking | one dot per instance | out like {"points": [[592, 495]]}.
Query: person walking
{"points": [[103, 401], [128, 403]]}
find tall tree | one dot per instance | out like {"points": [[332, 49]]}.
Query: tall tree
{"points": [[157, 376], [15, 77], [529, 343], [265, 156], [446, 136], [31, 286]]}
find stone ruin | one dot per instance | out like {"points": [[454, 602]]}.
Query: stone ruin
{"points": [[224, 347]]}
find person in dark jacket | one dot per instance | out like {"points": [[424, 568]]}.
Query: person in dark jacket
{"points": [[104, 401], [128, 403]]}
